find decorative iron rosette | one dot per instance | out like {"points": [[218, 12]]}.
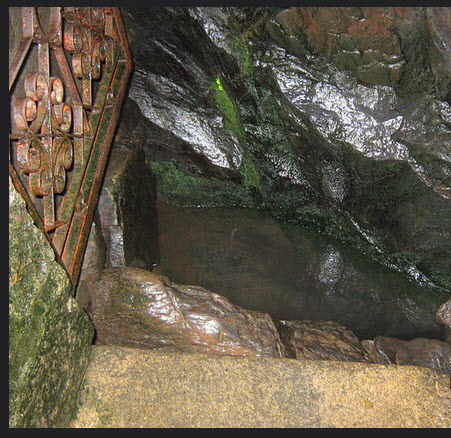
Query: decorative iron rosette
{"points": [[68, 73]]}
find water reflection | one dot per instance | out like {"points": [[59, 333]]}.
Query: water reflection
{"points": [[291, 273]]}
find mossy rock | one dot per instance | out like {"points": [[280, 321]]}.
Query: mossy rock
{"points": [[50, 335]]}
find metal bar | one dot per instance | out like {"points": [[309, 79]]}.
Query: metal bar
{"points": [[74, 192], [82, 224], [51, 135], [18, 59]]}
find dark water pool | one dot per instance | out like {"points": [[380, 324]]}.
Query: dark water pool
{"points": [[292, 273]]}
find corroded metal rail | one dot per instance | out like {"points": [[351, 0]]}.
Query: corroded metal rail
{"points": [[67, 79]]}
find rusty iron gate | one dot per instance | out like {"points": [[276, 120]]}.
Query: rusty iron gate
{"points": [[68, 73]]}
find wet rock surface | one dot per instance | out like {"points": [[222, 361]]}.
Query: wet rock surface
{"points": [[171, 83], [444, 317], [430, 353], [134, 307], [126, 211], [325, 340], [345, 131], [362, 40], [444, 314], [124, 231], [345, 134], [291, 273]]}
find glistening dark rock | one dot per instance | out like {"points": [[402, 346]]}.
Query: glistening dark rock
{"points": [[345, 131], [133, 307], [430, 353], [136, 308]]}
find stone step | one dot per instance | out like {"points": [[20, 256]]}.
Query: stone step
{"points": [[136, 388]]}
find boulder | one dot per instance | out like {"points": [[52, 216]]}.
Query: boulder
{"points": [[430, 353], [133, 307], [325, 340], [136, 308]]}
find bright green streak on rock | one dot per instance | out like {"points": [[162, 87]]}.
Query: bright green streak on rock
{"points": [[218, 82], [227, 108], [232, 122]]}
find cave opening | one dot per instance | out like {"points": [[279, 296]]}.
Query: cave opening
{"points": [[303, 183], [277, 186]]}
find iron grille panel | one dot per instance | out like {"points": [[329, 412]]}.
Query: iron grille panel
{"points": [[67, 79]]}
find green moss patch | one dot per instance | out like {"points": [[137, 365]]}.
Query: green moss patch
{"points": [[178, 187], [227, 108]]}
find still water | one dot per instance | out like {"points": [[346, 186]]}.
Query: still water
{"points": [[291, 273]]}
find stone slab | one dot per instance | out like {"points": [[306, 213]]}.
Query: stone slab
{"points": [[127, 387]]}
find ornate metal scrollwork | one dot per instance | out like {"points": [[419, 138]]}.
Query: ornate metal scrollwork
{"points": [[67, 80]]}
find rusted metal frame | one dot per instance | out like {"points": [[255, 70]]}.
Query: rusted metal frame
{"points": [[18, 59], [41, 128], [53, 135], [80, 225], [123, 37], [92, 137], [24, 45], [70, 201], [72, 250], [46, 129], [54, 34], [32, 33], [74, 200], [80, 127]]}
